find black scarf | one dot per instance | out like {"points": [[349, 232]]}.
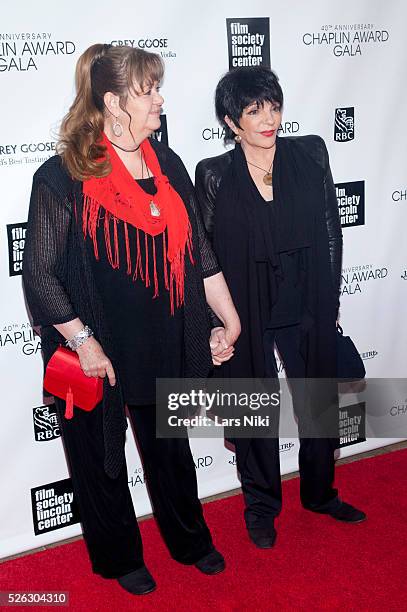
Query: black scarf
{"points": [[298, 223]]}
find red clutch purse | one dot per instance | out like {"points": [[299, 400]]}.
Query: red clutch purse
{"points": [[65, 379]]}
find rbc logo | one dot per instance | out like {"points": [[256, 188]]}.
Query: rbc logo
{"points": [[344, 124], [46, 426]]}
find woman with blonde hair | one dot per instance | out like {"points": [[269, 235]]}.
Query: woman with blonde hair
{"points": [[117, 264]]}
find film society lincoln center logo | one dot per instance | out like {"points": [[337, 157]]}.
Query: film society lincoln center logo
{"points": [[53, 506], [352, 424], [344, 129], [248, 41], [351, 203], [16, 242]]}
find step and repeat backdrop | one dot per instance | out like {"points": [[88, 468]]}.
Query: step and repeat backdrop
{"points": [[341, 66]]}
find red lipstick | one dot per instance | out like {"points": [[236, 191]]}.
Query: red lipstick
{"points": [[268, 133]]}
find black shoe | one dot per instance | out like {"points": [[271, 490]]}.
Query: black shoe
{"points": [[348, 514], [139, 582], [212, 563], [262, 537], [344, 512]]}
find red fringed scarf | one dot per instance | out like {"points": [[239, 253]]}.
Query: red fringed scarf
{"points": [[122, 198]]}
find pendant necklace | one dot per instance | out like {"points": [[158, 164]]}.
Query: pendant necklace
{"points": [[268, 176], [154, 209]]}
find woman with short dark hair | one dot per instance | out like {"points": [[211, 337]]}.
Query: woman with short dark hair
{"points": [[117, 263], [270, 208]]}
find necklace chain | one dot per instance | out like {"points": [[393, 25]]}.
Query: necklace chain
{"points": [[143, 163], [154, 209], [123, 149], [268, 177], [264, 170]]}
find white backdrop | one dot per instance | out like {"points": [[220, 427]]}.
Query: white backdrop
{"points": [[335, 60]]}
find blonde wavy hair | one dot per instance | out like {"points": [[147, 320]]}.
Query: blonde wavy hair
{"points": [[101, 68]]}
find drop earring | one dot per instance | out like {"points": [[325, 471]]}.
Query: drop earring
{"points": [[117, 128]]}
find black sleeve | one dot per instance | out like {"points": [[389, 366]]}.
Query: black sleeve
{"points": [[334, 229], [210, 265], [205, 189], [44, 257]]}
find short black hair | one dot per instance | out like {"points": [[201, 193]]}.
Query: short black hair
{"points": [[243, 86]]}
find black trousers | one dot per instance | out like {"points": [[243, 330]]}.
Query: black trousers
{"points": [[258, 460], [107, 514]]}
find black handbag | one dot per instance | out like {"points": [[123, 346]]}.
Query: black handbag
{"points": [[350, 364]]}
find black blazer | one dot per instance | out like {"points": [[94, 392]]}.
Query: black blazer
{"points": [[209, 173]]}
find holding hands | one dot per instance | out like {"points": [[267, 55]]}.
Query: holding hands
{"points": [[222, 344], [219, 299]]}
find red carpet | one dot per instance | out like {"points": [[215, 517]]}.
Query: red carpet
{"points": [[317, 564]]}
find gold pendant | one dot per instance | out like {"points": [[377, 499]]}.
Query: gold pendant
{"points": [[268, 179], [154, 210]]}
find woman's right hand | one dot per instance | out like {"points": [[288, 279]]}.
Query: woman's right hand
{"points": [[94, 362]]}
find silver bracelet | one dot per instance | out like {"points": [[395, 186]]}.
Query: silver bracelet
{"points": [[79, 338]]}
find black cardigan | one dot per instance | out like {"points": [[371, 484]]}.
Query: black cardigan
{"points": [[321, 301], [209, 174], [59, 284]]}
